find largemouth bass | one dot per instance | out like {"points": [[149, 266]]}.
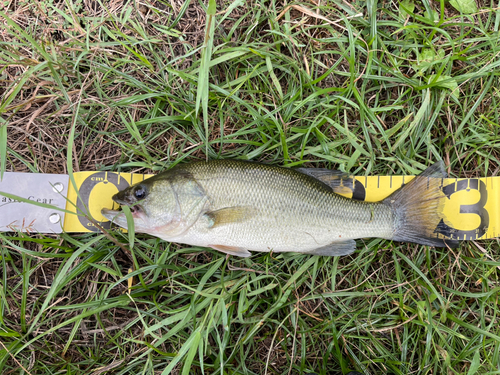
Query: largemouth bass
{"points": [[237, 207]]}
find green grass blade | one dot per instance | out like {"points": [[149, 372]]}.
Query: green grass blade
{"points": [[202, 91], [3, 148]]}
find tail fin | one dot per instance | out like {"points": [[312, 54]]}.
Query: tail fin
{"points": [[416, 207]]}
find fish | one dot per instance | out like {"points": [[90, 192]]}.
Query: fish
{"points": [[236, 207]]}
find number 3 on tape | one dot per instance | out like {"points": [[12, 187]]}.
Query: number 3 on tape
{"points": [[475, 208]]}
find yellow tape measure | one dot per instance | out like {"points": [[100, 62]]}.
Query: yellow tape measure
{"points": [[471, 211]]}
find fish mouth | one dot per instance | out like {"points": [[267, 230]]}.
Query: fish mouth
{"points": [[113, 215], [135, 209], [118, 218], [126, 200]]}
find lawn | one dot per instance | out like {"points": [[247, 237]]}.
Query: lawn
{"points": [[369, 88]]}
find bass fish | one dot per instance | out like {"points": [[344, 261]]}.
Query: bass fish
{"points": [[238, 206]]}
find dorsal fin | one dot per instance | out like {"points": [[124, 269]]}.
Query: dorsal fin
{"points": [[340, 182]]}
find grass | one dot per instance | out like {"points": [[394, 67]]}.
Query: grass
{"points": [[365, 87]]}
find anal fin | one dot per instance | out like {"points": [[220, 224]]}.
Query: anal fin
{"points": [[334, 249], [232, 250]]}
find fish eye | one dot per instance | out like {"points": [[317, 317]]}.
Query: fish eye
{"points": [[140, 192]]}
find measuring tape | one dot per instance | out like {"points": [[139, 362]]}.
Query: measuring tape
{"points": [[471, 210]]}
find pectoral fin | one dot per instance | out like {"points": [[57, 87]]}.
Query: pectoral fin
{"points": [[228, 215], [232, 250], [334, 249], [340, 182]]}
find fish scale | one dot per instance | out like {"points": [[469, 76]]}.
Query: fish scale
{"points": [[236, 206]]}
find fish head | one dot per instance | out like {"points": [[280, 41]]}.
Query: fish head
{"points": [[141, 203], [165, 205]]}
